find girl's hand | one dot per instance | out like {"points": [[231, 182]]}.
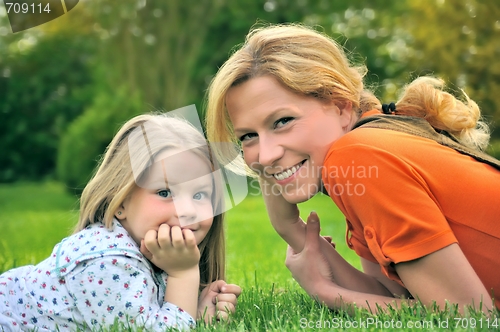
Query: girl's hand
{"points": [[309, 267], [218, 300], [172, 249]]}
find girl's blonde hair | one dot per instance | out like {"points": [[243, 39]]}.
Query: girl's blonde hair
{"points": [[114, 180], [310, 63]]}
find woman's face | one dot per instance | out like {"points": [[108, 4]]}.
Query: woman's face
{"points": [[285, 136]]}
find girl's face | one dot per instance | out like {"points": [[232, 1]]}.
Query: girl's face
{"points": [[285, 136], [177, 191]]}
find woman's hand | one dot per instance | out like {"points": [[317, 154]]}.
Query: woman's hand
{"points": [[218, 300], [309, 267], [172, 249]]}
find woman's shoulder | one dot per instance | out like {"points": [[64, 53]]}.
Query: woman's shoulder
{"points": [[385, 139]]}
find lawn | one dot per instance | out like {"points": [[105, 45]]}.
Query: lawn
{"points": [[35, 216]]}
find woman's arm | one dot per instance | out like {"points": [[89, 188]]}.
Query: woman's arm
{"points": [[284, 216], [441, 276], [342, 272], [373, 269], [445, 275], [286, 221]]}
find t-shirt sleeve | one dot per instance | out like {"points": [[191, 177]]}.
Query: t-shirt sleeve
{"points": [[116, 290], [392, 214]]}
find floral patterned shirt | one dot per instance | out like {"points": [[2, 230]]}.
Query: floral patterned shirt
{"points": [[92, 279]]}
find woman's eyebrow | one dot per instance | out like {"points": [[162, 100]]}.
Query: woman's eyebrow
{"points": [[267, 119]]}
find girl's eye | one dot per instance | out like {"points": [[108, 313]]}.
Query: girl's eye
{"points": [[199, 196], [165, 193], [247, 137], [283, 121]]}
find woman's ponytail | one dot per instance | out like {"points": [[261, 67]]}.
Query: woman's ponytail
{"points": [[425, 98]]}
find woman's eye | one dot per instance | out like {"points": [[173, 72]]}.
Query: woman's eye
{"points": [[165, 193], [283, 121], [247, 137]]}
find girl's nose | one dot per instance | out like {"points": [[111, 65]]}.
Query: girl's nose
{"points": [[185, 210]]}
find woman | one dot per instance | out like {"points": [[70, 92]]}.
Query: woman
{"points": [[419, 196]]}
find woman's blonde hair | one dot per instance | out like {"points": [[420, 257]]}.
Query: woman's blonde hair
{"points": [[310, 63], [123, 164], [425, 98]]}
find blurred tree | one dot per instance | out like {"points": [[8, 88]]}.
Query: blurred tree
{"points": [[153, 46], [459, 41], [169, 50], [401, 40], [42, 92], [162, 55], [88, 136]]}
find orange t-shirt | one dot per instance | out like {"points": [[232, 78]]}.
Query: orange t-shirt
{"points": [[405, 197]]}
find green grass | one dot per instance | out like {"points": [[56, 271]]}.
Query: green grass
{"points": [[35, 216]]}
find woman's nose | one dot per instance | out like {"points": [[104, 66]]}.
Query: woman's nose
{"points": [[270, 150]]}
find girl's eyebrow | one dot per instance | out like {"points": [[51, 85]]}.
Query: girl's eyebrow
{"points": [[205, 186]]}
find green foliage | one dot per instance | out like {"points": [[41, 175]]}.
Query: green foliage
{"points": [[494, 148], [89, 135], [458, 41], [167, 52], [42, 92]]}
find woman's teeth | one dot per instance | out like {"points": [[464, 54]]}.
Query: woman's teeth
{"points": [[287, 173]]}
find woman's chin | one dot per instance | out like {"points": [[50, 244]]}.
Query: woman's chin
{"points": [[298, 197]]}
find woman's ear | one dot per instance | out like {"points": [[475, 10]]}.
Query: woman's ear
{"points": [[346, 114]]}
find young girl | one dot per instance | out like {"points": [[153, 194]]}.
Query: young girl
{"points": [[419, 196], [149, 237]]}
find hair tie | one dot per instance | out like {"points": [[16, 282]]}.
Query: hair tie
{"points": [[389, 108]]}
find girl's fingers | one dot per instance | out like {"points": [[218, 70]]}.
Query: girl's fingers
{"points": [[145, 251], [164, 240], [222, 316], [189, 238], [228, 298], [151, 241], [225, 307], [177, 237], [231, 288], [168, 237]]}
